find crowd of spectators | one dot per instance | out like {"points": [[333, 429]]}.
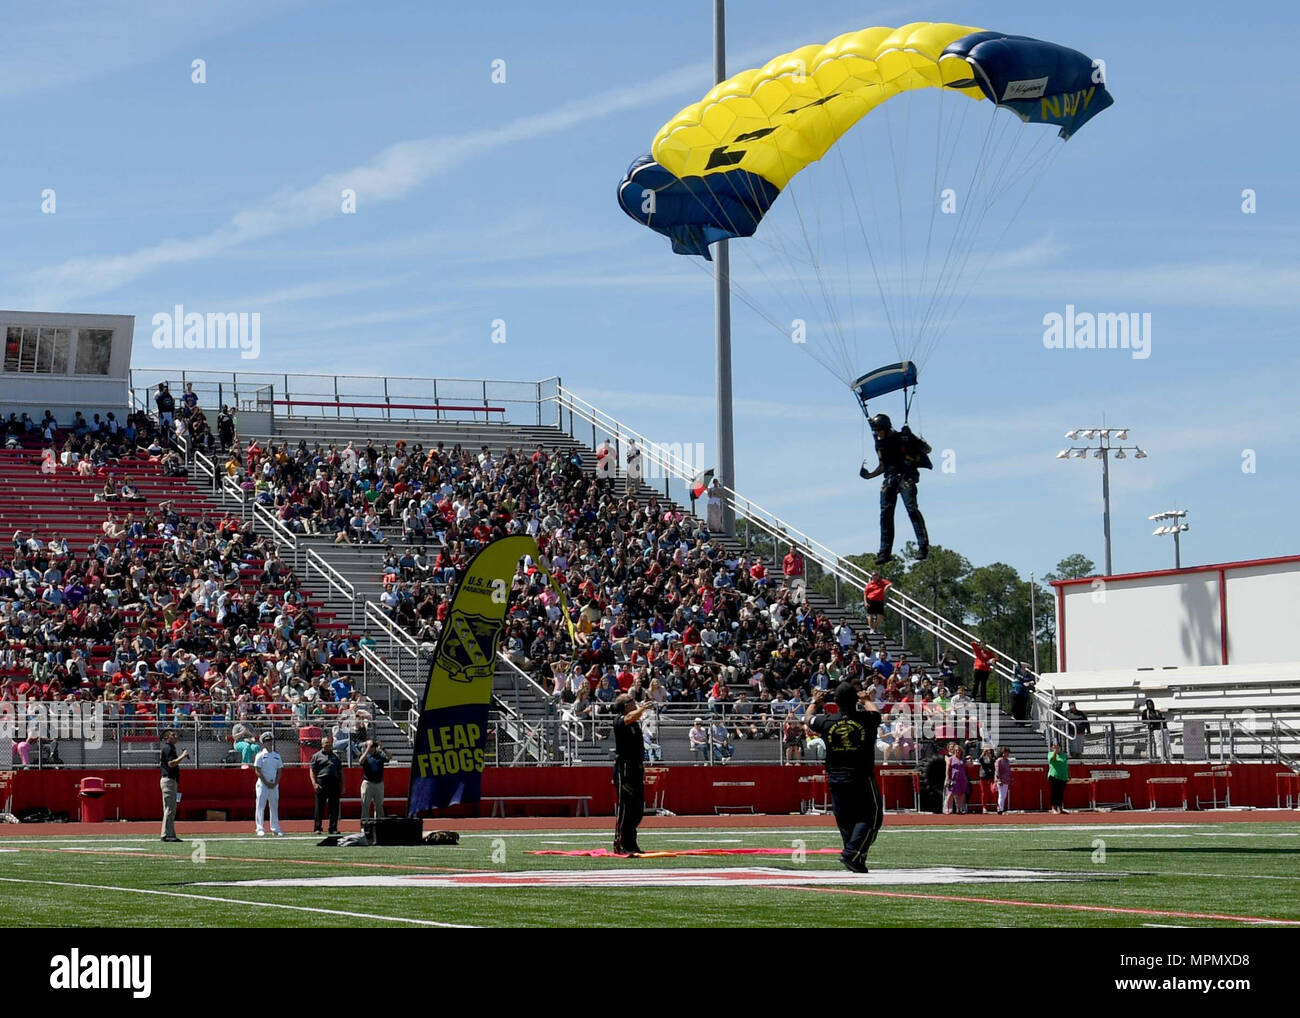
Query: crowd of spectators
{"points": [[164, 618], [659, 608]]}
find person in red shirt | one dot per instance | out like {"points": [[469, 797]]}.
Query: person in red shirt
{"points": [[984, 658], [758, 573], [874, 595], [792, 565]]}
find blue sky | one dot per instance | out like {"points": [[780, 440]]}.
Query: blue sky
{"points": [[480, 201]]}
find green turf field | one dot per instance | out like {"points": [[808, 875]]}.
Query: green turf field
{"points": [[1170, 875]]}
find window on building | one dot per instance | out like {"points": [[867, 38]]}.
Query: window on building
{"points": [[44, 350], [34, 349], [94, 348]]}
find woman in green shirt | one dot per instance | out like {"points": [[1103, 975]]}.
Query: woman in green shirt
{"points": [[1058, 774]]}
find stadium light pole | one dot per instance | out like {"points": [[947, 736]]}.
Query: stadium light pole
{"points": [[1102, 451], [722, 312], [1177, 527], [1033, 620]]}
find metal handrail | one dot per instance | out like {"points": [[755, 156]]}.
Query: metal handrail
{"points": [[376, 661], [281, 534], [339, 390], [571, 729], [230, 488], [205, 465], [529, 739], [374, 615], [334, 579]]}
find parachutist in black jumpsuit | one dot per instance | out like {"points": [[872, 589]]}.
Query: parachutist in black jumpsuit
{"points": [[901, 455]]}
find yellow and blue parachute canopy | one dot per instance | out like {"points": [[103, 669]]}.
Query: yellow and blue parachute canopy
{"points": [[716, 168]]}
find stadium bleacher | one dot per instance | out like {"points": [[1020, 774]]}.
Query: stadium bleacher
{"points": [[96, 579]]}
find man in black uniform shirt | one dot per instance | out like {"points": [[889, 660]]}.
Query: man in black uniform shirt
{"points": [[901, 455], [326, 773], [170, 762], [629, 773], [850, 738]]}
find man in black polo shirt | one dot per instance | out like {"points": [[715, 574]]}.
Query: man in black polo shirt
{"points": [[170, 762], [326, 773], [850, 738], [629, 773]]}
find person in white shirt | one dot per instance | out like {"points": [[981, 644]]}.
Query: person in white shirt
{"points": [[269, 766], [698, 737]]}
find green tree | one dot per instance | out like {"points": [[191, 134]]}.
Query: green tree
{"points": [[938, 582], [999, 608], [1073, 567]]}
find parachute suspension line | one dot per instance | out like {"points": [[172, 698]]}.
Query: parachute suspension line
{"points": [[871, 256], [756, 306], [1047, 156], [782, 247], [985, 200], [821, 282], [900, 174], [849, 350], [1045, 163], [934, 205], [755, 263], [892, 286], [969, 215], [736, 287], [841, 370]]}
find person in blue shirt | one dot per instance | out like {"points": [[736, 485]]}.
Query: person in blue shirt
{"points": [[341, 688]]}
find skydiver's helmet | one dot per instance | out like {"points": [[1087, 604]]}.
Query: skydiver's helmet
{"points": [[881, 422]]}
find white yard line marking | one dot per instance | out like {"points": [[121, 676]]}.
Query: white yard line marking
{"points": [[97, 848], [237, 901], [101, 840], [829, 830], [632, 877]]}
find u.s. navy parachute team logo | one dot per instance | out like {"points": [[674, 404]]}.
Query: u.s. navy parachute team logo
{"points": [[470, 650]]}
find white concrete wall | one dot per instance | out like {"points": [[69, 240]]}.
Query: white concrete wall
{"points": [[1174, 619], [1263, 614]]}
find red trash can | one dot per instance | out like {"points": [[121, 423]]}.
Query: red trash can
{"points": [[309, 737], [91, 793]]}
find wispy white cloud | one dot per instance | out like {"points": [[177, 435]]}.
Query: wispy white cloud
{"points": [[59, 43], [391, 174]]}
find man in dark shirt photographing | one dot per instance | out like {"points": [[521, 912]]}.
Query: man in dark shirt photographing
{"points": [[850, 738]]}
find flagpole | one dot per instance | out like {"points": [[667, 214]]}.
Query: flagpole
{"points": [[722, 312]]}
